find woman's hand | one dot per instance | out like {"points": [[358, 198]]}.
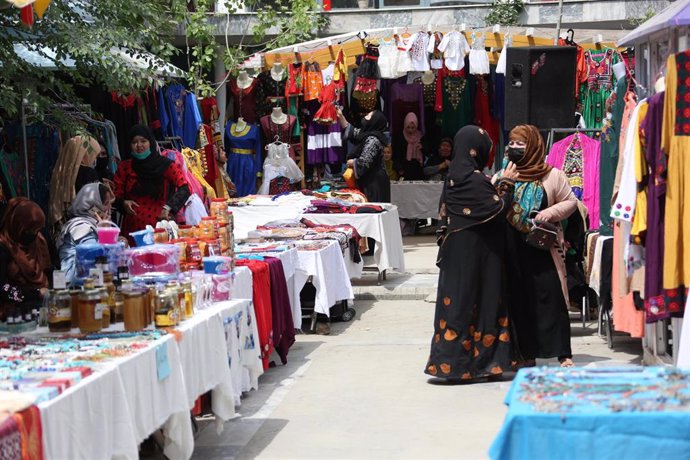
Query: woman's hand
{"points": [[510, 172], [350, 163], [542, 217], [130, 206], [164, 215]]}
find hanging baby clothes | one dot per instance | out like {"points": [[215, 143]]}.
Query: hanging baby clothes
{"points": [[404, 60], [244, 100], [365, 91], [388, 58], [479, 62], [436, 55], [324, 144], [279, 164], [270, 93], [600, 82], [675, 142], [244, 157], [419, 52], [454, 47], [313, 81], [281, 132], [578, 157], [453, 101], [655, 305], [327, 113], [482, 113]]}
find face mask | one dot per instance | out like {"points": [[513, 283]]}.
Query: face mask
{"points": [[102, 163], [27, 238], [141, 156], [515, 154]]}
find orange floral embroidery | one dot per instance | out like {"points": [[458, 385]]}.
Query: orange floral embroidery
{"points": [[432, 369], [442, 323], [450, 335], [504, 337], [477, 336], [437, 338], [476, 352], [445, 368], [503, 322], [488, 340], [496, 370], [466, 344], [466, 376], [446, 301]]}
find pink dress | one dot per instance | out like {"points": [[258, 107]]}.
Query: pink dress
{"points": [[580, 162]]}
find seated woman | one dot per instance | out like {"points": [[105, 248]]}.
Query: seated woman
{"points": [[24, 259], [436, 167], [91, 206], [389, 163], [409, 151]]}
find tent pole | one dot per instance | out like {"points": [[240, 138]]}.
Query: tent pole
{"points": [[560, 19], [26, 149]]}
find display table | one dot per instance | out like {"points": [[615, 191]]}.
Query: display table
{"points": [[417, 199], [383, 227], [242, 285], [109, 413], [599, 413], [329, 275]]}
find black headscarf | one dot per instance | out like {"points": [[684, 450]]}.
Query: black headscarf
{"points": [[375, 126], [436, 159], [150, 170], [469, 196]]}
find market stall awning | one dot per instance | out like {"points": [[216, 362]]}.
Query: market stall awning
{"points": [[675, 15]]}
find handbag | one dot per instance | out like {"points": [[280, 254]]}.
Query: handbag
{"points": [[542, 235], [349, 178]]}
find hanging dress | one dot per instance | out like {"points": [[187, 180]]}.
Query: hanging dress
{"points": [[600, 83], [270, 93], [244, 157], [453, 101], [388, 54], [365, 91], [277, 165], [244, 100], [313, 81]]}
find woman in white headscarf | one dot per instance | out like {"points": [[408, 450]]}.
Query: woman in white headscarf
{"points": [[90, 206]]}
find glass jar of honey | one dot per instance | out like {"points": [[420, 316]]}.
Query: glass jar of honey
{"points": [[135, 307], [91, 308], [60, 311], [188, 298], [74, 300], [167, 306], [193, 251], [207, 228], [219, 209]]}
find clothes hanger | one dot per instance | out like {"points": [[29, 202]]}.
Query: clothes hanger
{"points": [[570, 38]]}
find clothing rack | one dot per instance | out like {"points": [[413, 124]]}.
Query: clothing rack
{"points": [[552, 131]]}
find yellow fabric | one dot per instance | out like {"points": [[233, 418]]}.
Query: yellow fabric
{"points": [[243, 151], [193, 160], [639, 223], [677, 218], [349, 178], [40, 7]]}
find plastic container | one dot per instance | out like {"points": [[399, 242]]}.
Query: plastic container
{"points": [[107, 232], [154, 260], [219, 209], [207, 228], [217, 265], [60, 311], [142, 237], [88, 253]]}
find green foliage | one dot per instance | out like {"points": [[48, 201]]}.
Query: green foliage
{"points": [[505, 12], [649, 14], [94, 43]]}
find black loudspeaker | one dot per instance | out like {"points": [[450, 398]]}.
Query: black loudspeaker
{"points": [[540, 86]]}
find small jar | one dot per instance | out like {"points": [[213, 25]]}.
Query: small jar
{"points": [[74, 299], [104, 305], [193, 251], [210, 248], [207, 228], [167, 306], [219, 209], [109, 286], [90, 309], [188, 298], [160, 236], [135, 309], [60, 311], [185, 231]]}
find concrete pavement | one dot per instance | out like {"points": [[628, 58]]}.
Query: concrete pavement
{"points": [[360, 392]]}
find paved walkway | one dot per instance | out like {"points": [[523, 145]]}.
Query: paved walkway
{"points": [[360, 393]]}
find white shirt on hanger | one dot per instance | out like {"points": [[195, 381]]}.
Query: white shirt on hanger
{"points": [[388, 59], [404, 62], [419, 52], [454, 47], [479, 62]]}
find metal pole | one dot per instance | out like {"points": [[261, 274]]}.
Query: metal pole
{"points": [[560, 18], [26, 149]]}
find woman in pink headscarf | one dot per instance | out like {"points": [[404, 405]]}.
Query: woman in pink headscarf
{"points": [[409, 151]]}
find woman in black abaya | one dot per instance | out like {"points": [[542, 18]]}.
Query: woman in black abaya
{"points": [[471, 332]]}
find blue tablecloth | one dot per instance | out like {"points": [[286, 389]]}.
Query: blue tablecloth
{"points": [[578, 413]]}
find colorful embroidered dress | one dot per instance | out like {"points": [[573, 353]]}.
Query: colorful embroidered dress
{"points": [[244, 157], [600, 83]]}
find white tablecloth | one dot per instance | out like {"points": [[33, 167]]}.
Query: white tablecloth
{"points": [[242, 286], [417, 200], [383, 227], [329, 276], [109, 413]]}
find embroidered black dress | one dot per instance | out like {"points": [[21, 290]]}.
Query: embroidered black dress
{"points": [[471, 328]]}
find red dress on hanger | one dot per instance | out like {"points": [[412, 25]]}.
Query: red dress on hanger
{"points": [[263, 309]]}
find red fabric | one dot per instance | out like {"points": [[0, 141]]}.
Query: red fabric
{"points": [[482, 114], [243, 101], [327, 113], [444, 72], [28, 15], [263, 309], [209, 110], [29, 423], [149, 208]]}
